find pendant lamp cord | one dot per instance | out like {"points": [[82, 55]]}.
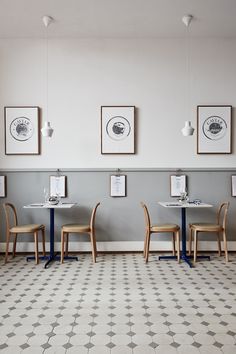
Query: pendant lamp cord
{"points": [[187, 74], [47, 71], [46, 37]]}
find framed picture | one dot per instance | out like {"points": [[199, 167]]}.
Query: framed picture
{"points": [[233, 186], [2, 186], [214, 129], [21, 130], [178, 185], [118, 185], [57, 186], [117, 130]]}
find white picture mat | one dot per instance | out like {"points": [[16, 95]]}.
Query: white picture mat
{"points": [[2, 186], [177, 185], [214, 146], [118, 186], [57, 186], [110, 146], [233, 186], [30, 146]]}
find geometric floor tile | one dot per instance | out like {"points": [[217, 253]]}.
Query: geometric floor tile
{"points": [[118, 305]]}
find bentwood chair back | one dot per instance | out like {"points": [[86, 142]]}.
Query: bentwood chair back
{"points": [[79, 229], [159, 228], [13, 228], [218, 228]]}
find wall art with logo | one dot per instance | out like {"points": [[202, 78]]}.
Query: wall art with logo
{"points": [[117, 129], [21, 130], [214, 129]]}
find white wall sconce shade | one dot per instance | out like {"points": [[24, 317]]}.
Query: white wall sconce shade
{"points": [[47, 130], [187, 130]]}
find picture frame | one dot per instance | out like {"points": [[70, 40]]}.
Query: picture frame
{"points": [[178, 185], [22, 130], [214, 129], [233, 185], [57, 186], [117, 129], [2, 186], [118, 185]]}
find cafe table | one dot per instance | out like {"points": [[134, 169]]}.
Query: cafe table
{"points": [[52, 255], [184, 207]]}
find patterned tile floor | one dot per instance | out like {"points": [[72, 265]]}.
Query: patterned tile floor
{"points": [[118, 306]]}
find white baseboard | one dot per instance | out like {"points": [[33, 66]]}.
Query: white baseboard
{"points": [[118, 246]]}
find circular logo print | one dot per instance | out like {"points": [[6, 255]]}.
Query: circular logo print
{"points": [[21, 129], [118, 128], [214, 128]]}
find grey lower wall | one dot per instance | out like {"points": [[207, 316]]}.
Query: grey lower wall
{"points": [[119, 219]]}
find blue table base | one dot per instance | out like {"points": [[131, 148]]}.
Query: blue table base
{"points": [[52, 256], [50, 259], [185, 258]]}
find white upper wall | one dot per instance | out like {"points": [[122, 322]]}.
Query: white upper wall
{"points": [[85, 74]]}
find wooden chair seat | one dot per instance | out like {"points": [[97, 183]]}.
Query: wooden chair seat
{"points": [[20, 229], [201, 226], [219, 228], [78, 228], [75, 228], [159, 228], [165, 228], [11, 215]]}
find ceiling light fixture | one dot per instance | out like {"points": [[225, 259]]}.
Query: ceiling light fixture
{"points": [[187, 130], [47, 130]]}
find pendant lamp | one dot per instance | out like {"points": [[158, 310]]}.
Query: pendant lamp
{"points": [[47, 130], [187, 130]]}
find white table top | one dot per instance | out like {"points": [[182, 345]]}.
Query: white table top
{"points": [[49, 206], [184, 205]]}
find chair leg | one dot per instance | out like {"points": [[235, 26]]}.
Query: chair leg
{"points": [[93, 243], [173, 244], [219, 245], [178, 246], [7, 246], [67, 243], [195, 235], [14, 246], [145, 243], [225, 247], [190, 242], [36, 247], [147, 247], [43, 242], [62, 246]]}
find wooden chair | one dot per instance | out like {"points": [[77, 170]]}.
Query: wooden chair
{"points": [[77, 228], [159, 228], [218, 228], [13, 228]]}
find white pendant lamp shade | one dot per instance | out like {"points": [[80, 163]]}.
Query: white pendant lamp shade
{"points": [[47, 130], [187, 130]]}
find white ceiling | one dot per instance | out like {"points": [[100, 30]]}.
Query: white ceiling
{"points": [[117, 18]]}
